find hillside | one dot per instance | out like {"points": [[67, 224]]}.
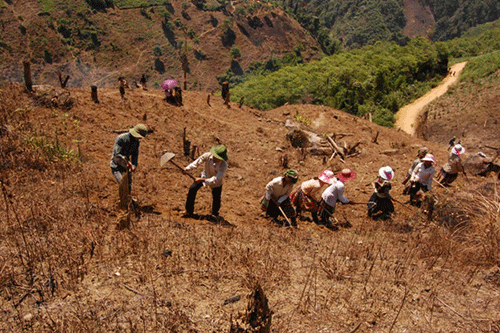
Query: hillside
{"points": [[67, 267], [96, 47], [470, 112]]}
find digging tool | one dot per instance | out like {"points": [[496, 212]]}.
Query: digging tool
{"points": [[167, 157], [402, 204], [284, 215], [439, 183]]}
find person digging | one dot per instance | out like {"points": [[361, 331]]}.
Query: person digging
{"points": [[420, 154], [307, 195], [449, 171], [214, 167], [125, 156], [276, 200], [332, 194], [421, 179], [381, 200]]}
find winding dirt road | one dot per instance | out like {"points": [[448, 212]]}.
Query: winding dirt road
{"points": [[407, 116]]}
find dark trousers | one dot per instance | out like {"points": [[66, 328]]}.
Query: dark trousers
{"points": [[376, 204], [326, 212], [216, 196]]}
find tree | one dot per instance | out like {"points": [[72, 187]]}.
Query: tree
{"points": [[235, 52]]}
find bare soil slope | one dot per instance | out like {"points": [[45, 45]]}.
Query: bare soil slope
{"points": [[65, 263], [95, 48], [408, 117], [470, 112]]}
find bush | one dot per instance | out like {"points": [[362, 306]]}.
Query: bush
{"points": [[235, 52], [157, 51], [100, 4]]}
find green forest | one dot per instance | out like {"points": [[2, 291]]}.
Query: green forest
{"points": [[338, 24], [378, 78]]}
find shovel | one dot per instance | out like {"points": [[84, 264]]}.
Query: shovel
{"points": [[168, 157]]}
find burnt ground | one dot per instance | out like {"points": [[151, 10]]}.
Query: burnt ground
{"points": [[166, 273], [469, 111]]}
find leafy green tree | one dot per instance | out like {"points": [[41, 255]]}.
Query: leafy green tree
{"points": [[235, 52]]}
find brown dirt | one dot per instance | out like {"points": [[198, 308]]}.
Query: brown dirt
{"points": [[419, 19], [470, 112], [407, 118], [402, 274], [127, 39]]}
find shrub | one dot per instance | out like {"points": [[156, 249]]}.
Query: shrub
{"points": [[235, 52], [157, 51], [100, 4]]}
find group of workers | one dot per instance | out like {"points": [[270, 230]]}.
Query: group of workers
{"points": [[282, 197]]}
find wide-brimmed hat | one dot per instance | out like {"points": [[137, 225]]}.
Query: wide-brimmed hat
{"points": [[219, 152], [327, 176], [386, 173], [139, 131], [458, 150], [429, 158], [346, 175], [423, 150]]}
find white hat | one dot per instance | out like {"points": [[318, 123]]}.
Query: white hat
{"points": [[327, 176], [429, 158], [386, 173], [458, 150]]}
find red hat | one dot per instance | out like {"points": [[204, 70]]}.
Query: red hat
{"points": [[346, 175]]}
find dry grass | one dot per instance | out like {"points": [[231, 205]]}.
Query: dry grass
{"points": [[64, 265]]}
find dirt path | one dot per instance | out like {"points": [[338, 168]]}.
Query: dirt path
{"points": [[407, 116]]}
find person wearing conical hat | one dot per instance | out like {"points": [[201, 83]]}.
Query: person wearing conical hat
{"points": [[334, 193], [214, 167], [305, 196], [421, 179], [381, 200], [277, 196], [449, 171], [126, 149]]}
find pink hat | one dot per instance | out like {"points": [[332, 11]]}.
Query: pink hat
{"points": [[458, 150], [386, 173], [430, 158], [327, 176], [346, 175]]}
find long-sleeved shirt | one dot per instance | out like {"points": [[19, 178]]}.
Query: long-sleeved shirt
{"points": [[127, 147], [454, 165], [414, 165], [312, 188], [213, 169], [334, 193], [276, 190], [423, 175]]}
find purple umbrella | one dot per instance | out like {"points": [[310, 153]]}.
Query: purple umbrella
{"points": [[168, 84]]}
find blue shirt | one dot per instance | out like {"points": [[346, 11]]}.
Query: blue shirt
{"points": [[125, 146]]}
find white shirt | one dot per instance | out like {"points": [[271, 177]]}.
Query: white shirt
{"points": [[334, 193], [454, 164], [277, 190], [213, 170], [423, 175], [312, 187]]}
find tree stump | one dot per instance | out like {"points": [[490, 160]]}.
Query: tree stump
{"points": [[93, 94], [27, 75], [225, 90]]}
